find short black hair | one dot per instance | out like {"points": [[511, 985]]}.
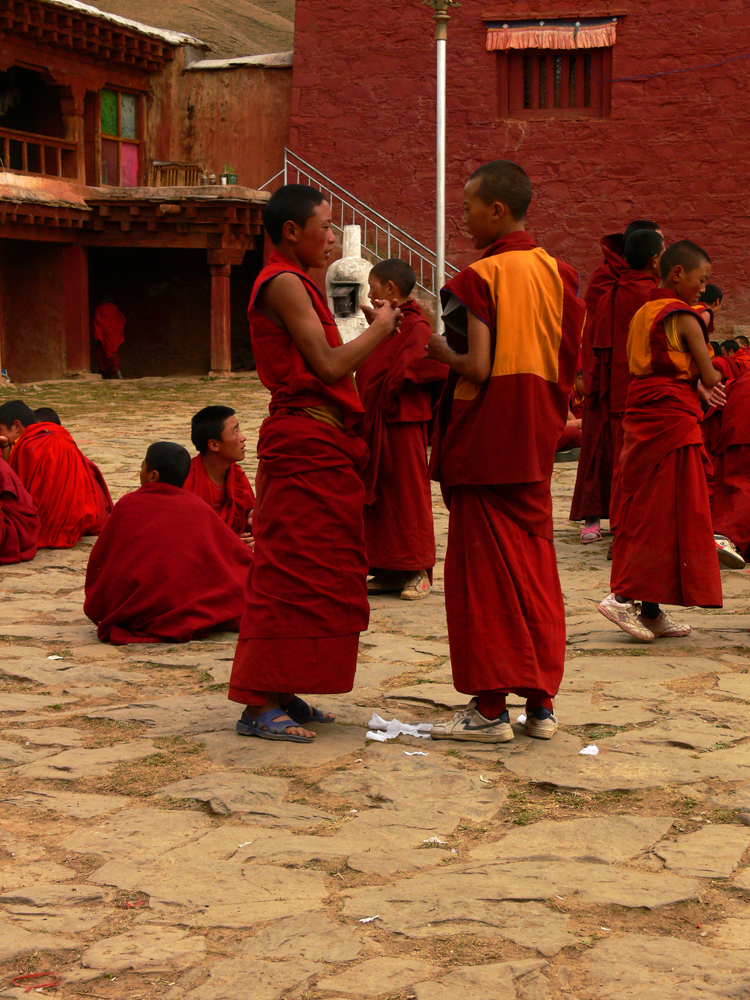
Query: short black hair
{"points": [[207, 425], [741, 338], [685, 253], [730, 345], [170, 460], [46, 415], [503, 180], [641, 246], [716, 346], [711, 293], [16, 409], [292, 202], [396, 270], [639, 224]]}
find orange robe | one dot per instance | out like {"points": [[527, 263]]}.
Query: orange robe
{"points": [[730, 507], [19, 519], [398, 385], [237, 498], [664, 549], [67, 488], [493, 454]]}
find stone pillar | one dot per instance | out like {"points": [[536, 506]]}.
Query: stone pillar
{"points": [[76, 271], [220, 261]]}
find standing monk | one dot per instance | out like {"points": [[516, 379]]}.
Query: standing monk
{"points": [[514, 327], [594, 478], [19, 519], [307, 592], [214, 473], [108, 330], [67, 488], [398, 386]]}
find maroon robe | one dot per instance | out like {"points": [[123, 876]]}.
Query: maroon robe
{"points": [[19, 519], [238, 500], [399, 386], [731, 452]]}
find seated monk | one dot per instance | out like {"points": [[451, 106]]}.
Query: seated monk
{"points": [[214, 473], [165, 568], [19, 519], [67, 488]]}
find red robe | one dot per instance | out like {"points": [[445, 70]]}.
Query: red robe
{"points": [[19, 519], [165, 569], [664, 549], [399, 385], [239, 498], [306, 599], [108, 328], [67, 488], [493, 454], [731, 450], [591, 494]]}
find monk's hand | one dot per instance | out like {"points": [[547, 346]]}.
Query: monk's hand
{"points": [[713, 397], [386, 316], [247, 538], [437, 348]]}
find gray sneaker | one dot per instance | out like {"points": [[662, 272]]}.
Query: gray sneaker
{"points": [[472, 726], [728, 553], [626, 617]]}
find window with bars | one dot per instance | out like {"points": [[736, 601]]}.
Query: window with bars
{"points": [[120, 143], [545, 83]]}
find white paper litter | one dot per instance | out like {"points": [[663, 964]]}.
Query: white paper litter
{"points": [[521, 719], [485, 780], [369, 920], [245, 844], [415, 753], [589, 751], [382, 730], [433, 840], [54, 657]]}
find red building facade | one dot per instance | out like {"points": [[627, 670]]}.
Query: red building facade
{"points": [[617, 110]]}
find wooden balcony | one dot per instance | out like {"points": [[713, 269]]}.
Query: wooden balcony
{"points": [[38, 155]]}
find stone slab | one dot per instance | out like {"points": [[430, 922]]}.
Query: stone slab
{"points": [[175, 715], [15, 942], [401, 648], [52, 894], [494, 981], [12, 701], [331, 742], [57, 920], [378, 976], [14, 875], [712, 852], [73, 764], [270, 980], [48, 736], [74, 804], [13, 754], [146, 949], [738, 685], [138, 833], [299, 937]]}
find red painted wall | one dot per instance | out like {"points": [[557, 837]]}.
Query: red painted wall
{"points": [[674, 149]]}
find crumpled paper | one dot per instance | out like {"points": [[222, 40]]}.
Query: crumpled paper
{"points": [[381, 730], [589, 751]]}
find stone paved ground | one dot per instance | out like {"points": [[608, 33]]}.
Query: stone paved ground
{"points": [[147, 851]]}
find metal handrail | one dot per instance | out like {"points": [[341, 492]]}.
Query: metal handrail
{"points": [[377, 231]]}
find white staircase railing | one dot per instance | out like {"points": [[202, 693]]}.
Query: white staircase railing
{"points": [[380, 238]]}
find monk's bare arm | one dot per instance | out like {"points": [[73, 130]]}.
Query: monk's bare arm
{"points": [[689, 328], [286, 301], [476, 364]]}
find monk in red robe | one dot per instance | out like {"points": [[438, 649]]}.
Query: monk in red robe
{"points": [[617, 307], [399, 387], [595, 466], [730, 505], [165, 568], [19, 519], [215, 475], [306, 600], [68, 489], [108, 330], [514, 327], [664, 550]]}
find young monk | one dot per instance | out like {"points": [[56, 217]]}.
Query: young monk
{"points": [[19, 519], [306, 601], [108, 330], [643, 250], [165, 568], [513, 334], [215, 475], [595, 466], [730, 504], [742, 341], [68, 489], [664, 550], [398, 386]]}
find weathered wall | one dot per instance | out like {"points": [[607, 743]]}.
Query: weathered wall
{"points": [[235, 116], [33, 315], [675, 147]]}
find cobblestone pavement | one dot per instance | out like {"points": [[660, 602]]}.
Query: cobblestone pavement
{"points": [[147, 851]]}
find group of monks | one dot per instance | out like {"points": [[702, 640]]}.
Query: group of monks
{"points": [[343, 482]]}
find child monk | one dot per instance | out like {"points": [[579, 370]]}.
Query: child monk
{"points": [[108, 330], [19, 519], [165, 568], [664, 550], [306, 601], [215, 475], [514, 326], [68, 489], [595, 466], [399, 386], [730, 504]]}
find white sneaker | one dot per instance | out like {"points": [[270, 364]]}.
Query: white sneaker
{"points": [[728, 553], [664, 627], [471, 725], [416, 587], [626, 617]]}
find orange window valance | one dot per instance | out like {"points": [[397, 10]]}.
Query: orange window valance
{"points": [[589, 33]]}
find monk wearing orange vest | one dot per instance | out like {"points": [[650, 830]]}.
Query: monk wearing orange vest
{"points": [[514, 325], [67, 488], [664, 550]]}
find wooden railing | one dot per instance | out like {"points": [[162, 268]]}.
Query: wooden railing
{"points": [[41, 155]]}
